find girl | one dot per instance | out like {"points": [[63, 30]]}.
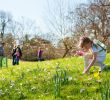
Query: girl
{"points": [[97, 56]]}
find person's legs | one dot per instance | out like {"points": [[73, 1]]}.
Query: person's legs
{"points": [[14, 60], [17, 61], [101, 65], [87, 60], [39, 59], [99, 62]]}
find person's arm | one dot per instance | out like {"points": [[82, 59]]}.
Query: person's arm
{"points": [[91, 63]]}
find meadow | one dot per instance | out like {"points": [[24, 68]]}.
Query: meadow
{"points": [[60, 79]]}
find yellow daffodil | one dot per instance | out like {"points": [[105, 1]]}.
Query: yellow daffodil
{"points": [[97, 75]]}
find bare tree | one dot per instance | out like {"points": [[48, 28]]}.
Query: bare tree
{"points": [[70, 44], [22, 28], [93, 18], [5, 18], [58, 22]]}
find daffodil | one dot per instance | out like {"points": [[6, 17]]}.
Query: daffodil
{"points": [[97, 75]]}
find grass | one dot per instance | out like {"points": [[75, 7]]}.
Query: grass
{"points": [[60, 79]]}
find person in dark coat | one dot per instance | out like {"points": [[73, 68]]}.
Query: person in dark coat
{"points": [[39, 54], [17, 54], [2, 49], [20, 51], [13, 55]]}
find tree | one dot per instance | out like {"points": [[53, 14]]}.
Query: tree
{"points": [[22, 28], [93, 18], [30, 49], [70, 43], [9, 43], [5, 18], [58, 23]]}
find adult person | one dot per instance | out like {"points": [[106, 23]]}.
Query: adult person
{"points": [[39, 54], [13, 55], [2, 49], [17, 54], [20, 51]]}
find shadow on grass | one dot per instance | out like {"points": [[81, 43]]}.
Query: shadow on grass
{"points": [[107, 68]]}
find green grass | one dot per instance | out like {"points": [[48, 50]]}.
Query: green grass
{"points": [[36, 81]]}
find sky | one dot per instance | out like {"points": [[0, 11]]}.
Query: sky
{"points": [[32, 9]]}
